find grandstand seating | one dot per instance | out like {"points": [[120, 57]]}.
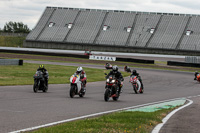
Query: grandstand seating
{"points": [[87, 28], [192, 42]]}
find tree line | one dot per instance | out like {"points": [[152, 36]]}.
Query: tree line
{"points": [[15, 27]]}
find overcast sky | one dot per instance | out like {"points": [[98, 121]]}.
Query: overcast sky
{"points": [[29, 11]]}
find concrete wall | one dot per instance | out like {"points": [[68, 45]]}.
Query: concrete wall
{"points": [[106, 48]]}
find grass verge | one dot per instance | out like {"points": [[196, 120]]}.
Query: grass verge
{"points": [[162, 65], [119, 122], [23, 75]]}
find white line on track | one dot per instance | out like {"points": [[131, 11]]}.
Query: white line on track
{"points": [[96, 114], [164, 120]]}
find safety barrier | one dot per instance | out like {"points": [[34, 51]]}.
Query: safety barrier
{"points": [[11, 62], [135, 60], [174, 63]]}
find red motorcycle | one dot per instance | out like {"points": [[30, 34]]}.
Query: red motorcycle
{"points": [[112, 88], [198, 77], [136, 84]]}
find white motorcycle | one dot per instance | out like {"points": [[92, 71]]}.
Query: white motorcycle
{"points": [[76, 86], [136, 84]]}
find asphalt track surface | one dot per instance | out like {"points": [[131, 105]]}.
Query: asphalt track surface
{"points": [[21, 108]]}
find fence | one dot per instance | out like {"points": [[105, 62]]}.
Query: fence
{"points": [[192, 59]]}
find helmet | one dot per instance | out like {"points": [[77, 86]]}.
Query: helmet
{"points": [[115, 68], [79, 69], [134, 71], [41, 66]]}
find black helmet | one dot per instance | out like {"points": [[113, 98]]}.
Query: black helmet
{"points": [[115, 68], [134, 71]]}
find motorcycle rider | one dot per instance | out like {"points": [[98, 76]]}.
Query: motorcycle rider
{"points": [[83, 77], [45, 73], [127, 69], [118, 75], [108, 65], [195, 75], [134, 73]]}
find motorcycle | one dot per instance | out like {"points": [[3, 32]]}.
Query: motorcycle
{"points": [[198, 77], [112, 88], [108, 66], [39, 81], [127, 69], [136, 84], [76, 86]]}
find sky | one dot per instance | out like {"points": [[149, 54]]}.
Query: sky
{"points": [[29, 11]]}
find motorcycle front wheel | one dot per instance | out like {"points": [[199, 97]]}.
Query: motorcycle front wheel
{"points": [[107, 95], [35, 88], [72, 91], [135, 89]]}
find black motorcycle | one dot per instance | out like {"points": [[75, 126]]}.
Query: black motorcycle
{"points": [[112, 88], [40, 81]]}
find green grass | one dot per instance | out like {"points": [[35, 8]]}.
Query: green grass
{"points": [[23, 75], [119, 122], [11, 41]]}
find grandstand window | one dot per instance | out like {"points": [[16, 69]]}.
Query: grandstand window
{"points": [[51, 24], [188, 32], [152, 30], [69, 25], [128, 29], [105, 27]]}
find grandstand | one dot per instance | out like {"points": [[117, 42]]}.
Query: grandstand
{"points": [[116, 30]]}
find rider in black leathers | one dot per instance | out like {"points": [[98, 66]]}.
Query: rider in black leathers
{"points": [[195, 75], [134, 72], [42, 69], [118, 75]]}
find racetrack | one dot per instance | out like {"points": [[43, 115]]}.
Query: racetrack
{"points": [[22, 108]]}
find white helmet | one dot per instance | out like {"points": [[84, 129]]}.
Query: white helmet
{"points": [[79, 69]]}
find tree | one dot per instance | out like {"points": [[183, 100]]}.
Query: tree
{"points": [[16, 27]]}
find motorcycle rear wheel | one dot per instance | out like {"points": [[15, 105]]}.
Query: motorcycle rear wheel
{"points": [[116, 98], [107, 95], [141, 91], [135, 89], [82, 94], [45, 89]]}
